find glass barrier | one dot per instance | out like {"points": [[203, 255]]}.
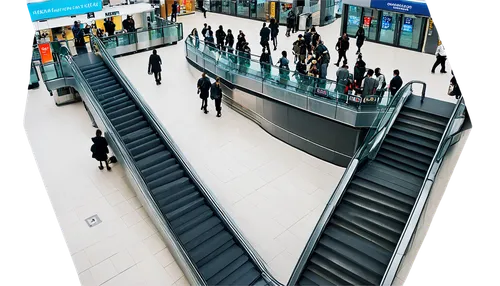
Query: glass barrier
{"points": [[33, 75], [243, 64]]}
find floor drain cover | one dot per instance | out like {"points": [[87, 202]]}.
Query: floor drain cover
{"points": [[93, 221]]}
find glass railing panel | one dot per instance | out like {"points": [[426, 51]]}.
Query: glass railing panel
{"points": [[156, 34], [33, 75], [142, 37], [123, 40], [49, 71], [110, 42]]}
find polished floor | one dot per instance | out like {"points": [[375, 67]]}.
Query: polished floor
{"points": [[275, 193], [125, 248]]}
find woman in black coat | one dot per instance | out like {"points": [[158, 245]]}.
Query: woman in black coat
{"points": [[154, 66], [100, 149], [359, 71], [274, 26], [360, 38], [204, 86], [230, 40]]}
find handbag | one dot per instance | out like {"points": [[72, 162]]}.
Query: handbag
{"points": [[451, 90]]}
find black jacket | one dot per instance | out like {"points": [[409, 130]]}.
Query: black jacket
{"points": [[342, 44], [274, 29], [308, 38], [154, 63], [395, 84], [360, 37], [204, 85], [359, 71], [99, 149], [315, 39], [109, 26], [301, 68], [215, 91], [204, 32], [230, 40], [290, 20], [220, 35], [264, 34]]}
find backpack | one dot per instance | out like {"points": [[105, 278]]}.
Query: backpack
{"points": [[296, 48]]}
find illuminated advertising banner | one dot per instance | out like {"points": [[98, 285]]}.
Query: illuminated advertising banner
{"points": [[414, 7], [45, 53], [49, 9]]}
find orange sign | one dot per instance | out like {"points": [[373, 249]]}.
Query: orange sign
{"points": [[273, 10], [45, 53]]}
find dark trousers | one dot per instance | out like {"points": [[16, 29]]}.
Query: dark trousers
{"points": [[218, 104], [157, 77], [173, 17], [204, 103], [265, 44], [220, 45], [359, 48], [275, 42], [341, 55], [440, 60]]}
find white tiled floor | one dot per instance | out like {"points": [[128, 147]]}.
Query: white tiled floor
{"points": [[275, 193], [125, 248]]}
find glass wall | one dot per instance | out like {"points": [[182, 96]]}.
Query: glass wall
{"points": [[243, 8], [396, 29], [254, 9]]}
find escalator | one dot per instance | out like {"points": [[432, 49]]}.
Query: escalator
{"points": [[363, 226], [212, 246]]}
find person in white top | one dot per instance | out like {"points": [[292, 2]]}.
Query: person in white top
{"points": [[440, 58]]}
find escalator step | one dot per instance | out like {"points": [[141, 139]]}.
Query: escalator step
{"points": [[240, 263], [248, 278], [139, 134], [135, 127], [406, 153], [95, 71], [119, 106], [103, 85], [122, 111], [393, 175], [199, 229], [304, 281], [120, 99], [386, 242], [260, 282], [168, 189], [211, 248], [108, 97], [180, 222], [361, 244], [155, 151], [413, 139], [103, 80], [131, 122], [399, 165], [421, 150], [184, 210], [354, 256], [91, 66], [420, 126], [427, 135], [376, 210], [108, 88], [400, 186], [191, 221], [404, 160], [234, 277], [141, 141], [145, 146], [169, 197], [202, 238], [173, 176], [381, 200], [426, 117], [158, 167], [163, 172], [331, 273], [180, 203], [352, 268], [220, 262], [93, 78], [368, 186]]}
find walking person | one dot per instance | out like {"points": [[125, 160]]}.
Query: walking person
{"points": [[154, 66], [173, 15], [454, 88], [290, 22], [359, 71], [396, 83], [204, 86], [440, 58], [283, 64], [220, 35], [308, 39], [230, 41], [216, 95], [204, 31], [274, 27], [202, 8], [195, 40], [265, 32], [360, 39], [100, 149], [342, 47]]}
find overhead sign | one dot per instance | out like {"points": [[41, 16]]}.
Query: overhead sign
{"points": [[62, 8], [90, 15], [111, 14], [45, 53], [414, 7]]}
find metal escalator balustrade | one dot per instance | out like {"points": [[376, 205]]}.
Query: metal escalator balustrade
{"points": [[208, 242], [368, 223]]}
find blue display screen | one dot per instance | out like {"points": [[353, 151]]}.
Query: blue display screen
{"points": [[408, 25], [386, 22], [353, 20], [60, 8]]}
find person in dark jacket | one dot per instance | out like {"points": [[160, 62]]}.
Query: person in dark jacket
{"points": [[216, 94], [396, 83], [456, 89], [308, 39], [230, 41], [265, 32], [300, 70], [323, 57], [109, 27], [360, 38], [315, 38], [100, 149], [125, 24], [283, 64], [220, 35], [290, 23], [274, 26], [359, 71], [204, 31], [342, 79], [173, 15], [241, 41], [342, 47], [265, 62], [204, 85], [154, 66]]}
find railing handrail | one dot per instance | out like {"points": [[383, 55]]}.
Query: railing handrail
{"points": [[415, 214], [341, 188], [189, 169]]}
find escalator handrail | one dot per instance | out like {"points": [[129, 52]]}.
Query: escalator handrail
{"points": [[189, 169], [194, 276], [420, 202], [341, 187]]}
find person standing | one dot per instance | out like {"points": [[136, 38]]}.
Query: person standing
{"points": [[456, 89], [315, 38], [274, 27], [264, 37], [220, 35], [229, 41], [360, 38], [290, 23], [342, 79], [204, 31], [323, 57], [204, 85], [173, 15], [109, 27], [440, 58], [342, 47], [369, 84], [283, 64], [100, 149], [381, 83], [359, 71], [265, 63], [131, 24], [154, 66], [396, 83], [240, 41], [195, 40], [216, 95], [308, 40]]}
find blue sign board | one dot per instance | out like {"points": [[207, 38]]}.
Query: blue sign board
{"points": [[413, 7], [61, 8], [408, 24], [386, 22]]}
